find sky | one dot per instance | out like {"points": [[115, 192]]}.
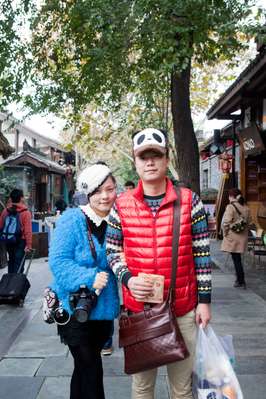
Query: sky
{"points": [[48, 126]]}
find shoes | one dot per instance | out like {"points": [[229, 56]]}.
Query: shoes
{"points": [[107, 351], [242, 285]]}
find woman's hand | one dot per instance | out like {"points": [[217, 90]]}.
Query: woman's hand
{"points": [[101, 279]]}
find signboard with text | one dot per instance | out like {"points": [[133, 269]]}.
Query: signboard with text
{"points": [[251, 140]]}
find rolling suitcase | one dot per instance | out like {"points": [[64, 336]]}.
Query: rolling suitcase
{"points": [[15, 286]]}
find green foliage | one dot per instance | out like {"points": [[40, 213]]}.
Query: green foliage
{"points": [[15, 65], [125, 170], [7, 183], [83, 51], [102, 52]]}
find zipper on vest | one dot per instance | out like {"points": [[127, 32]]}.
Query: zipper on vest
{"points": [[154, 218], [154, 242]]}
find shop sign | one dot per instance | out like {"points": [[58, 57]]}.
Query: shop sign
{"points": [[251, 140]]}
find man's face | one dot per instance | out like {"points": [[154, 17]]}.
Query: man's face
{"points": [[151, 166]]}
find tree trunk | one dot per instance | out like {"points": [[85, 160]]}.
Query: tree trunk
{"points": [[186, 144]]}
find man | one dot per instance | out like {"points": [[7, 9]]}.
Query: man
{"points": [[19, 240], [129, 185], [139, 239]]}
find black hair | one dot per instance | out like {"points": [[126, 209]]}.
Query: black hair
{"points": [[129, 183], [235, 192], [16, 195]]}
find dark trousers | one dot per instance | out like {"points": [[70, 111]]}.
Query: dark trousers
{"points": [[87, 377], [240, 276], [108, 344], [15, 255]]}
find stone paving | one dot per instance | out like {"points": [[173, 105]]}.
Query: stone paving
{"points": [[34, 365]]}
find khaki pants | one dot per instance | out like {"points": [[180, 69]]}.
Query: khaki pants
{"points": [[179, 373]]}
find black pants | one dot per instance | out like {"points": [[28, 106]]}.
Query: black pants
{"points": [[15, 255], [87, 377], [240, 276]]}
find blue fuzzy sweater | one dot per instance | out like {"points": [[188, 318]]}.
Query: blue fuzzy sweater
{"points": [[72, 265]]}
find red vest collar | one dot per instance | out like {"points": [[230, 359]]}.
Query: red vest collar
{"points": [[170, 195]]}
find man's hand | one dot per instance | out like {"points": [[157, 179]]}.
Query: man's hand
{"points": [[203, 314], [27, 250], [139, 288], [100, 281]]}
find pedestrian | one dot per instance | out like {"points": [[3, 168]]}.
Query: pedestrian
{"points": [[139, 239], [129, 185], [78, 262], [236, 242], [60, 205], [16, 230], [107, 349]]}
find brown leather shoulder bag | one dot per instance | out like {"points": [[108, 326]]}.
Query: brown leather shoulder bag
{"points": [[152, 338]]}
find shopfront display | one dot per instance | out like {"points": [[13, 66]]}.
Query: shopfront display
{"points": [[256, 179]]}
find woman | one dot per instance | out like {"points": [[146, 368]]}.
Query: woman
{"points": [[236, 243], [78, 262]]}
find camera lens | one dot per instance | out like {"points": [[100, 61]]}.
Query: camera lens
{"points": [[61, 316], [82, 303], [81, 314]]}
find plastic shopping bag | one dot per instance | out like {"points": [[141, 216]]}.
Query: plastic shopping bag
{"points": [[214, 377], [227, 344]]}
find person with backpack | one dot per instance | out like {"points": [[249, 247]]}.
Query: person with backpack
{"points": [[16, 230]]}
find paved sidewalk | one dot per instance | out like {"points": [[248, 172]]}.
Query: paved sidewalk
{"points": [[34, 365], [255, 271]]}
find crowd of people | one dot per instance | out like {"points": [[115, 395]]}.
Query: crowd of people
{"points": [[108, 239]]}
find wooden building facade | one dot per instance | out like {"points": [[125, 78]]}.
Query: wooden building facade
{"points": [[244, 103]]}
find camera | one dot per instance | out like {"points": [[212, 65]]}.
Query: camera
{"points": [[53, 311], [82, 302]]}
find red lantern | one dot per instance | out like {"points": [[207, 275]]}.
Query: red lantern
{"points": [[225, 162]]}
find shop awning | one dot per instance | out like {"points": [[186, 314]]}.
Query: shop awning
{"points": [[252, 81], [29, 158]]}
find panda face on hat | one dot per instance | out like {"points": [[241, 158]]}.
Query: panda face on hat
{"points": [[149, 139]]}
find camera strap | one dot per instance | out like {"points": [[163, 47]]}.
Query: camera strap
{"points": [[91, 243]]}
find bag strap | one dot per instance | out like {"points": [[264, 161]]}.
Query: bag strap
{"points": [[175, 242], [91, 243], [236, 208]]}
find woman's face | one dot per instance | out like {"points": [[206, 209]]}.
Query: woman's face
{"points": [[104, 197]]}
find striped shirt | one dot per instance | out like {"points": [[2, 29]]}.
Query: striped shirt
{"points": [[200, 245]]}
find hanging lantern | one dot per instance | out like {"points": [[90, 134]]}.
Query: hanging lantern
{"points": [[225, 162]]}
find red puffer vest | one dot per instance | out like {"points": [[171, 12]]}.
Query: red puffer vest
{"points": [[148, 244]]}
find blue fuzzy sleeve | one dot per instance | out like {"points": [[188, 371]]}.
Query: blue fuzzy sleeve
{"points": [[69, 234]]}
